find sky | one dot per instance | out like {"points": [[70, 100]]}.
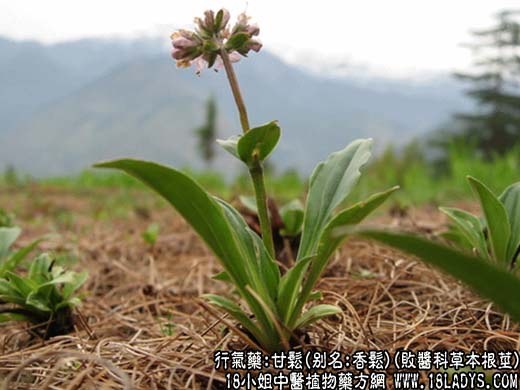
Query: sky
{"points": [[391, 38]]}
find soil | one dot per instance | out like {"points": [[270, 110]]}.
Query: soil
{"points": [[142, 324]]}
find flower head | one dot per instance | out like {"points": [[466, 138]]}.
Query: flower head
{"points": [[203, 46]]}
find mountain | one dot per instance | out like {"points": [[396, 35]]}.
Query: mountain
{"points": [[68, 105]]}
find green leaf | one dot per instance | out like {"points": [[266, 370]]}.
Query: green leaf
{"points": [[9, 293], [9, 316], [470, 227], [237, 313], [497, 221], [23, 285], [77, 281], [8, 236], [151, 233], [330, 183], [315, 296], [39, 271], [249, 253], [259, 141], [290, 285], [510, 198], [199, 209], [292, 216], [205, 215], [230, 145], [316, 313], [490, 281], [332, 236], [38, 302], [223, 277]]}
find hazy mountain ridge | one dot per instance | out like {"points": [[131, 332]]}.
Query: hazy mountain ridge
{"points": [[70, 104]]}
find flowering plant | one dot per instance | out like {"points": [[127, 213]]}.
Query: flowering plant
{"points": [[276, 303]]}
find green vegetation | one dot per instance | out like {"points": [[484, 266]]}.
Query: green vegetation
{"points": [[276, 302], [151, 234], [43, 294], [207, 133], [496, 236]]}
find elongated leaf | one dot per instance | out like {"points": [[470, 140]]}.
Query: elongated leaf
{"points": [[23, 285], [230, 145], [255, 259], [201, 211], [39, 271], [490, 281], [9, 316], [471, 227], [330, 183], [497, 220], [259, 141], [237, 313], [223, 277], [8, 236], [333, 234], [268, 267], [19, 256], [292, 216], [290, 285], [510, 198], [316, 313], [38, 302], [10, 294]]}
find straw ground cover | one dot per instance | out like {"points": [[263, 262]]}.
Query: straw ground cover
{"points": [[142, 325]]}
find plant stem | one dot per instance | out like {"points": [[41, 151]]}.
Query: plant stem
{"points": [[257, 175], [233, 82], [256, 170]]}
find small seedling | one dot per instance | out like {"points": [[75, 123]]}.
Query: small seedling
{"points": [[42, 295], [276, 304], [166, 325], [151, 234]]}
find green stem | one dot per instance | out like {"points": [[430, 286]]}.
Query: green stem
{"points": [[257, 175], [256, 170]]}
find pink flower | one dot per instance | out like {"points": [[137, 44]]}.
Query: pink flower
{"points": [[202, 47]]}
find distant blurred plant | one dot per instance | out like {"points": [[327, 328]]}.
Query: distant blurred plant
{"points": [[207, 133], [151, 234], [43, 295], [276, 302], [6, 219], [11, 176], [495, 236]]}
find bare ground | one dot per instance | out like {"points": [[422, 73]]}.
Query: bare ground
{"points": [[142, 325]]}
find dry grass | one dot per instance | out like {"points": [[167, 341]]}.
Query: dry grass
{"points": [[136, 295]]}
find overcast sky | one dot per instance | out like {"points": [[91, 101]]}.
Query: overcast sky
{"points": [[396, 37]]}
